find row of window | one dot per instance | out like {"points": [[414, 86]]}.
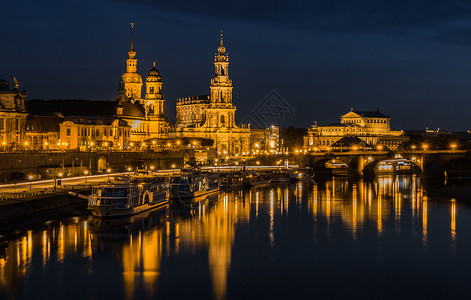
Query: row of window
{"points": [[9, 124], [366, 121], [88, 131]]}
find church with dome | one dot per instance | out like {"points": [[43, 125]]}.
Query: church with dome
{"points": [[135, 118], [145, 115]]}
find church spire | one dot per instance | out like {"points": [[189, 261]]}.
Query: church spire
{"points": [[132, 80], [132, 35], [221, 48], [131, 51]]}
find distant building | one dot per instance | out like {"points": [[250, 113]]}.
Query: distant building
{"points": [[373, 128], [12, 114]]}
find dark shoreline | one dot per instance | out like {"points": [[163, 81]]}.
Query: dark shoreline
{"points": [[27, 212]]}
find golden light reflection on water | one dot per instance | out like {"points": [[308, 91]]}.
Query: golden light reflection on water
{"points": [[212, 227], [453, 219], [16, 255]]}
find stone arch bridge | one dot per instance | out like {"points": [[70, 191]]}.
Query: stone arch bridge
{"points": [[432, 163]]}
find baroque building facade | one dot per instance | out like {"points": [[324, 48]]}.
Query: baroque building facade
{"points": [[373, 128], [12, 114], [213, 116], [145, 115], [104, 133]]}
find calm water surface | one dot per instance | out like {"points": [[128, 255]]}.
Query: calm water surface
{"points": [[387, 238]]}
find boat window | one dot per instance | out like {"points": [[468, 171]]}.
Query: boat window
{"points": [[122, 192]]}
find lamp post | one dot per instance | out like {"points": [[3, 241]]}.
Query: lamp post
{"points": [[30, 177], [86, 173], [58, 181], [108, 171]]}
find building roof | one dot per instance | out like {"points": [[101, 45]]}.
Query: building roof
{"points": [[349, 141], [90, 120], [370, 114], [43, 123], [133, 110], [195, 98]]}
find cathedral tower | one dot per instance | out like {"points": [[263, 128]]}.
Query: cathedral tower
{"points": [[132, 80], [221, 112], [221, 85]]}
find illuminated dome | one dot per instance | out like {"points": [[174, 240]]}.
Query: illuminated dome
{"points": [[154, 74]]}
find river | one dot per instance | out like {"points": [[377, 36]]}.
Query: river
{"points": [[387, 238]]}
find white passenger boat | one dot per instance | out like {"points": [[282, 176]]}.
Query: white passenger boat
{"points": [[399, 166], [193, 185], [129, 196]]}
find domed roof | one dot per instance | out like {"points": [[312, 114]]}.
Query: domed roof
{"points": [[154, 72]]}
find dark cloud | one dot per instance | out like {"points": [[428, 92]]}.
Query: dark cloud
{"points": [[344, 15], [323, 57]]}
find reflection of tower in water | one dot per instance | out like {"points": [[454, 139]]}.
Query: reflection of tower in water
{"points": [[214, 229], [141, 261]]}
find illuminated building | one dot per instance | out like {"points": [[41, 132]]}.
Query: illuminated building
{"points": [[144, 115], [373, 128], [265, 140], [42, 132], [12, 114], [213, 116], [84, 132]]}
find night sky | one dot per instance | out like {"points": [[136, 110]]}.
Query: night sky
{"points": [[411, 59]]}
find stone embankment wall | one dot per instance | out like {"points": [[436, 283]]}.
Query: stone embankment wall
{"points": [[48, 164]]}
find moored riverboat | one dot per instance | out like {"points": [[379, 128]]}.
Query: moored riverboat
{"points": [[397, 166], [191, 185], [281, 176], [128, 196], [231, 180]]}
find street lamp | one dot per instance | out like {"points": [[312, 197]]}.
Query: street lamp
{"points": [[30, 177], [424, 146], [108, 171], [86, 173], [453, 146], [413, 147], [58, 181]]}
